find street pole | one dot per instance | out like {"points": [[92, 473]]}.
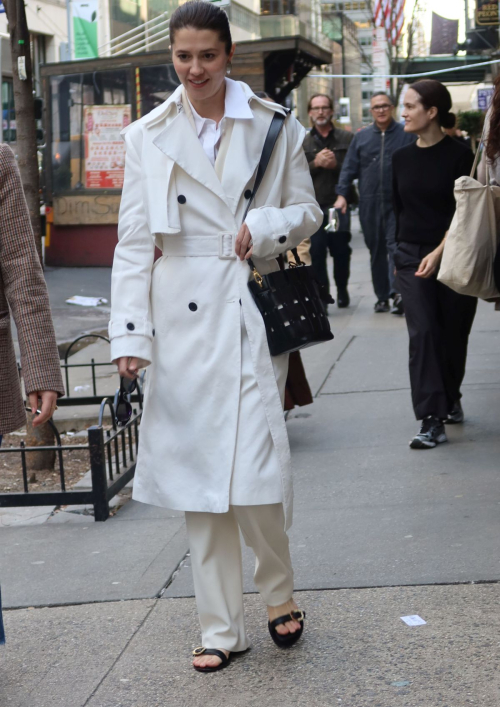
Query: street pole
{"points": [[467, 18], [70, 35]]}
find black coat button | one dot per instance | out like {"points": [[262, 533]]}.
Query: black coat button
{"points": [[130, 326], [282, 239], [248, 194], [153, 332], [181, 199], [193, 306]]}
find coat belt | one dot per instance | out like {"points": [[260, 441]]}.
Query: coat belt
{"points": [[221, 246]]}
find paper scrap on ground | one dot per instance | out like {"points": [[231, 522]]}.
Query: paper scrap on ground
{"points": [[413, 620], [86, 301]]}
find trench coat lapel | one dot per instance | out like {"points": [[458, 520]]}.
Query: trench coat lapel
{"points": [[180, 142], [243, 156]]}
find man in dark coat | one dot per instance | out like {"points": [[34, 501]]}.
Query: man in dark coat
{"points": [[326, 147], [370, 161]]}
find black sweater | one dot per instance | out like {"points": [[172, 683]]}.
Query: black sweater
{"points": [[423, 182]]}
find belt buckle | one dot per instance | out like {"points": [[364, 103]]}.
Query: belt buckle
{"points": [[226, 246]]}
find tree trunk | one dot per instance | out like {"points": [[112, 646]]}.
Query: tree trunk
{"points": [[26, 148], [27, 160]]}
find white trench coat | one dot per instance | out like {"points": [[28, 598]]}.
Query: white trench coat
{"points": [[213, 392]]}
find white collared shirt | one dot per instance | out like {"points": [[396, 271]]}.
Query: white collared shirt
{"points": [[209, 133]]}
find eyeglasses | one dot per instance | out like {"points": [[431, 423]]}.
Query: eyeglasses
{"points": [[123, 411], [384, 106], [317, 110]]}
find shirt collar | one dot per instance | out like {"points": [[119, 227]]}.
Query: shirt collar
{"points": [[235, 106]]}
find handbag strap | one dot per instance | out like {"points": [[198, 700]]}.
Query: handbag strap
{"points": [[478, 152], [270, 141]]}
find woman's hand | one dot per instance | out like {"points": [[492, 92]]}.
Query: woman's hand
{"points": [[47, 408], [128, 367], [243, 246], [430, 263]]}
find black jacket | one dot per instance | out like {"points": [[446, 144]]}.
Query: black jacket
{"points": [[325, 180]]}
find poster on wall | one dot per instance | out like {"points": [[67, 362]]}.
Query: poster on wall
{"points": [[85, 29], [104, 148]]}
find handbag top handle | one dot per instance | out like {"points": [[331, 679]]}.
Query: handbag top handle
{"points": [[270, 141]]}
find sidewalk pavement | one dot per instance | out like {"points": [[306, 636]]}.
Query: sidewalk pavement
{"points": [[102, 614]]}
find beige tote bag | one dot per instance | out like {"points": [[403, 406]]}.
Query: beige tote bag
{"points": [[471, 245]]}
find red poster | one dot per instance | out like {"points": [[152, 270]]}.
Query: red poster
{"points": [[104, 148]]}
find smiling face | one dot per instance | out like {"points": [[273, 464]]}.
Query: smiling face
{"points": [[417, 118], [200, 61]]}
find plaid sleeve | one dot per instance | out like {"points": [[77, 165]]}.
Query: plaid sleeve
{"points": [[24, 284]]}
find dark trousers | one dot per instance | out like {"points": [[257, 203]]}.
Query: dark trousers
{"points": [[338, 245], [439, 323], [374, 224]]}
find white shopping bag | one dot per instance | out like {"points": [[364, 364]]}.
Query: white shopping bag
{"points": [[472, 242]]}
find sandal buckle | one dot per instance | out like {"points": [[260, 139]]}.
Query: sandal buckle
{"points": [[199, 650], [298, 615]]}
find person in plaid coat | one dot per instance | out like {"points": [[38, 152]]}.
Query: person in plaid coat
{"points": [[23, 290]]}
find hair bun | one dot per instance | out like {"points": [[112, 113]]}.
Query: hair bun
{"points": [[448, 120]]}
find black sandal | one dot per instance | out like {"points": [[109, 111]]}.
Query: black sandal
{"points": [[211, 651], [289, 638]]}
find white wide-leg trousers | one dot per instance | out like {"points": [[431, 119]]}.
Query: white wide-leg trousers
{"points": [[214, 542]]}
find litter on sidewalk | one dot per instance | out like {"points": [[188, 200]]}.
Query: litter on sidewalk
{"points": [[413, 620], [86, 301]]}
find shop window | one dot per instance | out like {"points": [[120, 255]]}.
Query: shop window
{"points": [[277, 7], [156, 83], [8, 112], [88, 114]]}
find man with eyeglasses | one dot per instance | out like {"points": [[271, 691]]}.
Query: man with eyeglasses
{"points": [[326, 147], [370, 161]]}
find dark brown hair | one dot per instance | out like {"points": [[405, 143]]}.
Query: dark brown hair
{"points": [[434, 95], [493, 141], [200, 14], [320, 95]]}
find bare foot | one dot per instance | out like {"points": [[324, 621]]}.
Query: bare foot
{"points": [[208, 661], [288, 627]]}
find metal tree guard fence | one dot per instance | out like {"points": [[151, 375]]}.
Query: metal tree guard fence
{"points": [[112, 453]]}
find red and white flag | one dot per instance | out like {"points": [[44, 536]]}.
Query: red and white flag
{"points": [[390, 14]]}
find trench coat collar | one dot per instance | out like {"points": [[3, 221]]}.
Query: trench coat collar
{"points": [[178, 140], [245, 147]]}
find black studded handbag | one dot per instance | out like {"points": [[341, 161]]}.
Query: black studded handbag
{"points": [[289, 300]]}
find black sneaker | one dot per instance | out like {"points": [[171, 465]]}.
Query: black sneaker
{"points": [[343, 299], [456, 415], [382, 306], [431, 433], [397, 305]]}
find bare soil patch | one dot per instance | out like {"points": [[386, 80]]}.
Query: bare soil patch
{"points": [[76, 465]]}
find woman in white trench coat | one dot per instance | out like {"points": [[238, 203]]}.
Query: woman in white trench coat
{"points": [[213, 437]]}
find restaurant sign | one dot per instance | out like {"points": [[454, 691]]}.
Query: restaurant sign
{"points": [[486, 13]]}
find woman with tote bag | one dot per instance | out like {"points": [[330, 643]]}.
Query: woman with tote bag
{"points": [[213, 437], [439, 320]]}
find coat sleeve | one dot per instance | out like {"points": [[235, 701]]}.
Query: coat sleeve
{"points": [[130, 328], [350, 170], [24, 284], [275, 230]]}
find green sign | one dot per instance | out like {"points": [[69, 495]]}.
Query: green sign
{"points": [[85, 29]]}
